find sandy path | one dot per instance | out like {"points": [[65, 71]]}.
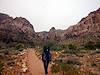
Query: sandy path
{"points": [[35, 64]]}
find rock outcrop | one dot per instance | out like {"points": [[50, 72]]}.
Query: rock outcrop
{"points": [[19, 29], [89, 25], [15, 29], [53, 34]]}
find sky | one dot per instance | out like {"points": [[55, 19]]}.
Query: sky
{"points": [[44, 14]]}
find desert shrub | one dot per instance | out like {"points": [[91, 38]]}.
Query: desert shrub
{"points": [[97, 45], [71, 70], [19, 46], [90, 73], [55, 68], [71, 51], [30, 45], [10, 63], [93, 65], [72, 47], [54, 46], [50, 44], [1, 66], [90, 45], [0, 47], [64, 46], [73, 62], [65, 69]]}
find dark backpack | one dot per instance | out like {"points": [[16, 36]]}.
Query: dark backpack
{"points": [[46, 56]]}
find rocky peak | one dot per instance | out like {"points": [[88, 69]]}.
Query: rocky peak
{"points": [[18, 29], [52, 33], [24, 21], [52, 29], [3, 17]]}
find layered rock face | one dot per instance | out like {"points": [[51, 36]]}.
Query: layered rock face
{"points": [[53, 34], [89, 25], [16, 30]]}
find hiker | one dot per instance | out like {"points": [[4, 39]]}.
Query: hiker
{"points": [[46, 57]]}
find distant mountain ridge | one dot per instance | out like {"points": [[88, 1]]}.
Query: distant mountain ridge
{"points": [[88, 26], [20, 29]]}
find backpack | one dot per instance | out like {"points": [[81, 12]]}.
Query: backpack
{"points": [[46, 56]]}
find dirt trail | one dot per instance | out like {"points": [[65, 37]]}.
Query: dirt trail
{"points": [[35, 64]]}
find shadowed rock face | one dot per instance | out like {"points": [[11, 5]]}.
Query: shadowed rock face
{"points": [[17, 29]]}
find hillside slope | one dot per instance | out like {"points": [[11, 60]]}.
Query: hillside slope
{"points": [[15, 29]]}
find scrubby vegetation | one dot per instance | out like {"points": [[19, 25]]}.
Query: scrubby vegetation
{"points": [[70, 59], [1, 66], [65, 69]]}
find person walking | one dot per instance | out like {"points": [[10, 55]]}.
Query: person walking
{"points": [[46, 58]]}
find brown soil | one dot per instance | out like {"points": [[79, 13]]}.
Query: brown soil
{"points": [[35, 65]]}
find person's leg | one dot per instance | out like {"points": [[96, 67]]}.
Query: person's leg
{"points": [[45, 67]]}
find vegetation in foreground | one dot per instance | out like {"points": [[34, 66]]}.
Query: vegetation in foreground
{"points": [[67, 58], [72, 59]]}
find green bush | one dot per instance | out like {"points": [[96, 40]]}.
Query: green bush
{"points": [[93, 65], [72, 47], [90, 46], [72, 62], [19, 46], [54, 46], [97, 45], [64, 46]]}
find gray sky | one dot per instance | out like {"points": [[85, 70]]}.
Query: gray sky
{"points": [[44, 14]]}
